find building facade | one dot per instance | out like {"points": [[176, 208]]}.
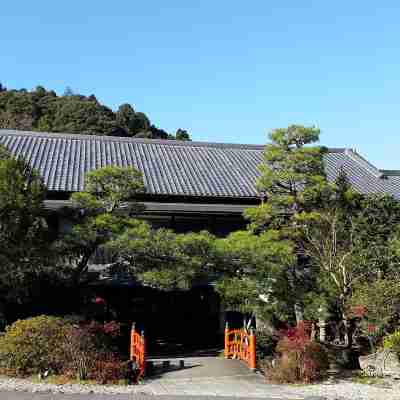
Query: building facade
{"points": [[190, 186]]}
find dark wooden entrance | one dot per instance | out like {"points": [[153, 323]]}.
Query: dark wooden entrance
{"points": [[174, 314], [166, 317]]}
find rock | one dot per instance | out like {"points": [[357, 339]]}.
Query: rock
{"points": [[382, 363]]}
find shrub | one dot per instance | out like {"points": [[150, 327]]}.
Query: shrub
{"points": [[392, 342], [109, 368], [283, 370], [265, 344], [79, 352], [83, 351], [90, 354], [104, 335], [375, 304], [33, 345], [301, 360]]}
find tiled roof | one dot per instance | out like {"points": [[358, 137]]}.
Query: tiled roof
{"points": [[174, 167]]}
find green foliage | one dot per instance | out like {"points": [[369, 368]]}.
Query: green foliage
{"points": [[265, 344], [4, 153], [347, 242], [162, 258], [182, 134], [292, 175], [23, 230], [133, 122], [292, 183], [257, 253], [101, 213], [242, 265], [338, 237], [380, 301], [86, 351], [328, 237], [42, 110], [33, 345], [240, 294], [109, 187], [376, 226], [251, 265], [318, 302], [392, 342]]}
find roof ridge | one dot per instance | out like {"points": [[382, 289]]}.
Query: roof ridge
{"points": [[358, 158], [390, 172], [173, 168], [170, 142]]}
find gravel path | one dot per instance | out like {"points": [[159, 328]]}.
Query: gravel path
{"points": [[228, 387], [44, 396]]}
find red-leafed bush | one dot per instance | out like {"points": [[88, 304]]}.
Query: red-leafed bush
{"points": [[104, 335], [109, 368], [359, 311], [300, 359], [89, 347]]}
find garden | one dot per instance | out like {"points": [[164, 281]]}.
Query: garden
{"points": [[316, 272]]}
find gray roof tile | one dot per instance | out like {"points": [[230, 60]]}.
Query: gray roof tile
{"points": [[174, 167]]}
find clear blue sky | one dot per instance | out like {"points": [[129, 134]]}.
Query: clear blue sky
{"points": [[224, 70]]}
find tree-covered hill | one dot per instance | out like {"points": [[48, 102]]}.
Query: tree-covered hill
{"points": [[44, 111]]}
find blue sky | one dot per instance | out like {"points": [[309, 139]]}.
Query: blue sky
{"points": [[227, 71]]}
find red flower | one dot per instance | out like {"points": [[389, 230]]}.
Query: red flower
{"points": [[99, 300], [359, 311], [371, 328]]}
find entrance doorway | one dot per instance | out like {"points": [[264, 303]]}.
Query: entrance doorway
{"points": [[182, 322], [175, 323]]}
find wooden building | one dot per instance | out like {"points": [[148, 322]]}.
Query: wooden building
{"points": [[190, 186]]}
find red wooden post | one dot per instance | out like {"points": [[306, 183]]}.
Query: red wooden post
{"points": [[143, 366], [226, 348], [242, 344], [252, 350], [132, 347]]}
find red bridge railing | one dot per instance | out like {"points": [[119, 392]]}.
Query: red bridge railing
{"points": [[138, 351], [239, 344]]}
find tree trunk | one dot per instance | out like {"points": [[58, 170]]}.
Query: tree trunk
{"points": [[298, 311], [81, 268], [297, 306], [347, 331], [345, 319]]}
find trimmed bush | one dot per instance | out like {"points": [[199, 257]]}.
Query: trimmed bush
{"points": [[265, 344], [90, 353], [79, 351], [392, 342], [300, 360], [33, 345], [109, 368]]}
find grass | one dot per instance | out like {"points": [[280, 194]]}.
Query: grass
{"points": [[63, 380], [367, 380]]}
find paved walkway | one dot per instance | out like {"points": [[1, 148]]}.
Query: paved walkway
{"points": [[202, 378], [48, 396], [200, 367]]}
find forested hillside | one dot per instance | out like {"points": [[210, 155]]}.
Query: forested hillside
{"points": [[44, 111]]}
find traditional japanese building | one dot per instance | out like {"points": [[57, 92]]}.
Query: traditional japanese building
{"points": [[190, 186]]}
